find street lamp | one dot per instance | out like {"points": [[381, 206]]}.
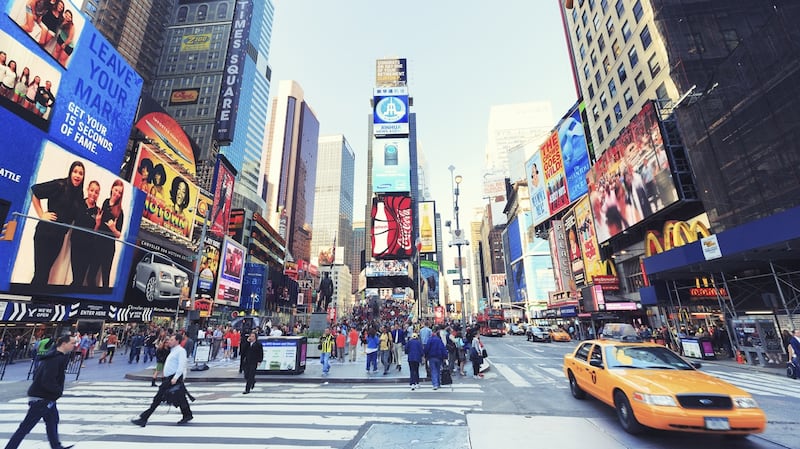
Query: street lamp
{"points": [[458, 240]]}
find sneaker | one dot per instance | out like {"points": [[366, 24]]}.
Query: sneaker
{"points": [[475, 377], [435, 388], [185, 420], [413, 387], [139, 422]]}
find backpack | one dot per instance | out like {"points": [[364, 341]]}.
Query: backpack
{"points": [[451, 345]]}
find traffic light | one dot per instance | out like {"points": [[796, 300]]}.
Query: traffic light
{"points": [[9, 229]]}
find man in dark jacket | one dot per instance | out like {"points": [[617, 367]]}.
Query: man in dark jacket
{"points": [[250, 360], [47, 387], [435, 352], [414, 351]]}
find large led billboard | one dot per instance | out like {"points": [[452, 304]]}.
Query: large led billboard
{"points": [[514, 240], [535, 177], [427, 222], [224, 178], [392, 222], [574, 249], [390, 112], [167, 134], [554, 178], [391, 165], [231, 271], [52, 259], [429, 270], [575, 153], [170, 196], [632, 179]]}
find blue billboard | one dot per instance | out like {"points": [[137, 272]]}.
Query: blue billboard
{"points": [[518, 282], [391, 165], [67, 103], [253, 286], [514, 240], [572, 139], [390, 113]]}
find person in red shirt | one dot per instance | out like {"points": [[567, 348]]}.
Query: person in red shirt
{"points": [[352, 340], [236, 339], [340, 344]]}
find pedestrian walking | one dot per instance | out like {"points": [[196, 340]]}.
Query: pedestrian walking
{"points": [[174, 374], [372, 350], [251, 359], [435, 353], [46, 388], [326, 348], [398, 346], [352, 341], [341, 341], [162, 352], [384, 349], [414, 352], [111, 347]]}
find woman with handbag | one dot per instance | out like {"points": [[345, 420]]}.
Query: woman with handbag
{"points": [[476, 354]]}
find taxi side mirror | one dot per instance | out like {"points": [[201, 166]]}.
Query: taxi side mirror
{"points": [[596, 363]]}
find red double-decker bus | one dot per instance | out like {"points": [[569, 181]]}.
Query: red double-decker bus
{"points": [[492, 322]]}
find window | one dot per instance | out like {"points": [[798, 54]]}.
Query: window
{"points": [[591, 4], [620, 6], [597, 354], [202, 12], [616, 49], [606, 65], [574, 15], [603, 5], [589, 38], [583, 51], [634, 280], [591, 91], [661, 93], [222, 10], [609, 124], [610, 26], [578, 32], [583, 352], [637, 10], [623, 75], [646, 38], [628, 98], [595, 112], [626, 32], [585, 18], [695, 41], [183, 11], [596, 22], [618, 112], [597, 77], [731, 39], [600, 135], [586, 71], [593, 58], [612, 88], [654, 65], [633, 57], [601, 43], [603, 101], [639, 83]]}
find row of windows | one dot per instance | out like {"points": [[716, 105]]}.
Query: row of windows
{"points": [[202, 12]]}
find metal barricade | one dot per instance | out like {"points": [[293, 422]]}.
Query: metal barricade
{"points": [[73, 367]]}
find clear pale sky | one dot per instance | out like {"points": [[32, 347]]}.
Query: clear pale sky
{"points": [[463, 57]]}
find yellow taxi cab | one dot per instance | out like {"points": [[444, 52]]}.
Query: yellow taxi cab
{"points": [[558, 334], [651, 386]]}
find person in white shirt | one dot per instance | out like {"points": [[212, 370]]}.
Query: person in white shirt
{"points": [[276, 332], [174, 373]]}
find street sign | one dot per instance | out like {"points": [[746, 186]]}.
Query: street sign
{"points": [[304, 283], [458, 281], [452, 271]]}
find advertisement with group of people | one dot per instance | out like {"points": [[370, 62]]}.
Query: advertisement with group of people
{"points": [[67, 102]]}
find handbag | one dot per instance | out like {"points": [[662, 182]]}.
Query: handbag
{"points": [[483, 353], [173, 394]]}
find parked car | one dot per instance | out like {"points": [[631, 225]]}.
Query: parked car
{"points": [[558, 334], [159, 278], [538, 333], [651, 386]]}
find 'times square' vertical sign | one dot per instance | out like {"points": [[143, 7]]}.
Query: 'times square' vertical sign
{"points": [[234, 72]]}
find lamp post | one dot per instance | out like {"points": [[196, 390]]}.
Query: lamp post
{"points": [[458, 240], [199, 257]]}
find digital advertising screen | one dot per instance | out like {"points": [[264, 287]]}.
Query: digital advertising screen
{"points": [[169, 195], [330, 255], [518, 291], [429, 271], [514, 240], [575, 152], [554, 178], [574, 248], [392, 223], [427, 222], [231, 270], [224, 179], [589, 248], [391, 165], [632, 179], [382, 268], [390, 113], [165, 132], [536, 186], [56, 260]]}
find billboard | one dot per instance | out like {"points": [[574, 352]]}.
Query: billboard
{"points": [[56, 260], [539, 208], [231, 271], [196, 42], [632, 179], [574, 249], [170, 196], [514, 240], [391, 165], [236, 225], [330, 255], [429, 271], [224, 177], [497, 285], [427, 220], [382, 268], [58, 35], [184, 96], [575, 152], [254, 285], [168, 135], [234, 72], [390, 113], [390, 72], [554, 178], [391, 227]]}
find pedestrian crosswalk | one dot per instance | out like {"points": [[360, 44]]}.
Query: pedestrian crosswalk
{"points": [[317, 416], [759, 384]]}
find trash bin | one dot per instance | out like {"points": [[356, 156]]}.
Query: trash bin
{"points": [[283, 355]]}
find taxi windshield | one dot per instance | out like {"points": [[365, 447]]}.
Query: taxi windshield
{"points": [[644, 357]]}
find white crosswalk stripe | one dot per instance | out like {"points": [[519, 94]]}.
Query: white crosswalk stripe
{"points": [[758, 383], [97, 414]]}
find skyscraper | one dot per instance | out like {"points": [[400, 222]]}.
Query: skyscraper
{"points": [[333, 197], [290, 165], [192, 72]]}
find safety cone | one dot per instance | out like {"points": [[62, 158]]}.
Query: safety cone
{"points": [[739, 357]]}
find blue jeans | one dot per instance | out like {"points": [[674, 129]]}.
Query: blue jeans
{"points": [[436, 372], [372, 359], [38, 410], [384, 356], [325, 360]]}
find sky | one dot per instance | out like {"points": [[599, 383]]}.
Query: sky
{"points": [[463, 57]]}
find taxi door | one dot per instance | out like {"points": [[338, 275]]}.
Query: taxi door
{"points": [[580, 367], [601, 384]]}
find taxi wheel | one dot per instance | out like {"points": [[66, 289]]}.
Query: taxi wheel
{"points": [[625, 414], [576, 390]]}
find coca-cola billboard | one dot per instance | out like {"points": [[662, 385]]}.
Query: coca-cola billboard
{"points": [[392, 223]]}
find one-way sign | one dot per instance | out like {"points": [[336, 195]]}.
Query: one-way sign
{"points": [[458, 281]]}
